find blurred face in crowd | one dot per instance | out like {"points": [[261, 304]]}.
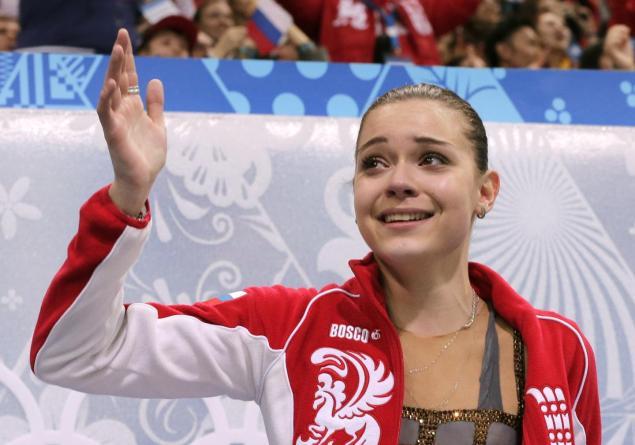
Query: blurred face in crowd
{"points": [[9, 29], [553, 32], [554, 6], [167, 43], [489, 11], [215, 17], [522, 49]]}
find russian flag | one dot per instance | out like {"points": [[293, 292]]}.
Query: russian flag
{"points": [[269, 24]]}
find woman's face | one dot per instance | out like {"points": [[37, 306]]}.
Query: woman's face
{"points": [[552, 30], [167, 43], [416, 185], [524, 49], [215, 18]]}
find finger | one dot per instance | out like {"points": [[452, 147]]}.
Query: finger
{"points": [[104, 104], [126, 45], [109, 97], [130, 67], [105, 98], [155, 102], [114, 65]]}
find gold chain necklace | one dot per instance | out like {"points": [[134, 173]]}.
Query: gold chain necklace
{"points": [[446, 346], [444, 402]]}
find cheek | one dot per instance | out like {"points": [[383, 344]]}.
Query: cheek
{"points": [[358, 199], [454, 194], [364, 197]]}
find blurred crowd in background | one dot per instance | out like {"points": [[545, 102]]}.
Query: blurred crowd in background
{"points": [[560, 34]]}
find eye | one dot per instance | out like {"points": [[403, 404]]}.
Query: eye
{"points": [[372, 162], [433, 159]]}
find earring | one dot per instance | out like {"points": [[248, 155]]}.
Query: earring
{"points": [[481, 213]]}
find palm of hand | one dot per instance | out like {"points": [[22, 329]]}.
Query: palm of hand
{"points": [[136, 139], [137, 143]]}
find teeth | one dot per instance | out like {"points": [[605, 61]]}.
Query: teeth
{"points": [[398, 217]]}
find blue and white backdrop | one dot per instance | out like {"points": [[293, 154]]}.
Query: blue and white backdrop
{"points": [[260, 161]]}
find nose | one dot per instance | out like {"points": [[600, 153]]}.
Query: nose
{"points": [[401, 184]]}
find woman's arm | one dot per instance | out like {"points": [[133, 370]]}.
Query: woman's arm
{"points": [[85, 337]]}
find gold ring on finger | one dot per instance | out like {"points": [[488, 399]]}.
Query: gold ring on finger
{"points": [[133, 89]]}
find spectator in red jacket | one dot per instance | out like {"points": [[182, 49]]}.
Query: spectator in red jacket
{"points": [[354, 31], [623, 12]]}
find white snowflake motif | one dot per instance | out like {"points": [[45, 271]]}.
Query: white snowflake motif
{"points": [[11, 208], [12, 300]]}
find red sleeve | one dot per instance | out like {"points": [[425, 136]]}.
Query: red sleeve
{"points": [[587, 406], [101, 224], [446, 15], [623, 12]]}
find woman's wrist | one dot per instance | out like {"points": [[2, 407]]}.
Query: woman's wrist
{"points": [[130, 203]]}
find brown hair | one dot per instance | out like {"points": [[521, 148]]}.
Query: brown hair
{"points": [[475, 132]]}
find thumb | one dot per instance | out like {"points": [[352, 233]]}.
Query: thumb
{"points": [[155, 101]]}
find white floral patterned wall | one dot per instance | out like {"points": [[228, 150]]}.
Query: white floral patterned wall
{"points": [[265, 199]]}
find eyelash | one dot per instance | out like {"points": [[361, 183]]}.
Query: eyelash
{"points": [[372, 161], [441, 158]]}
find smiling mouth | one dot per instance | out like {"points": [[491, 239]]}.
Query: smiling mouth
{"points": [[405, 217]]}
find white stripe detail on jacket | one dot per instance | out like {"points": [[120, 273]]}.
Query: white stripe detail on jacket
{"points": [[578, 429]]}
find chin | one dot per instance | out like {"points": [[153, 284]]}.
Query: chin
{"points": [[405, 253], [408, 252]]}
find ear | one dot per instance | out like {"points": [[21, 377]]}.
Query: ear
{"points": [[488, 191]]}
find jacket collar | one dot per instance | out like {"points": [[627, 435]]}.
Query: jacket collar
{"points": [[487, 283]]}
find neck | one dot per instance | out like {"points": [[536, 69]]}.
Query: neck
{"points": [[429, 298], [555, 56]]}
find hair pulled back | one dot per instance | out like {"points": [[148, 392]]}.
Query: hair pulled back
{"points": [[475, 132]]}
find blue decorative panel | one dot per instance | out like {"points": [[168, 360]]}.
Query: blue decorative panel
{"points": [[324, 89]]}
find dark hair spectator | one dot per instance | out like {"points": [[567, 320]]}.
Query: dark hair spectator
{"points": [[465, 46], [514, 43], [556, 38]]}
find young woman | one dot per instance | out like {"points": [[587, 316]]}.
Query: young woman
{"points": [[419, 346]]}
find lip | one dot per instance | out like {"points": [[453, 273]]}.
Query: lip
{"points": [[395, 211]]}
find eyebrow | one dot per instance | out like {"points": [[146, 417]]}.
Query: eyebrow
{"points": [[422, 140]]}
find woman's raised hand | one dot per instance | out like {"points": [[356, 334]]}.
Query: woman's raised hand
{"points": [[136, 140]]}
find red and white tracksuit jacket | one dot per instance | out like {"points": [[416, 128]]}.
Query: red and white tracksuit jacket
{"points": [[325, 366]]}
